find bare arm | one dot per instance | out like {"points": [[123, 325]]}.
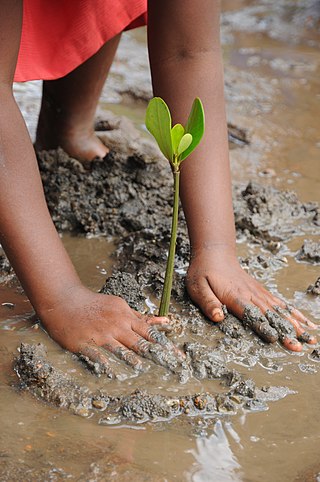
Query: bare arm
{"points": [[76, 318], [187, 63], [26, 230], [185, 60]]}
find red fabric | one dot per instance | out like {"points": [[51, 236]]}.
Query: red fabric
{"points": [[59, 35]]}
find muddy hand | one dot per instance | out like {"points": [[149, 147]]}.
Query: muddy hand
{"points": [[92, 325], [216, 279]]}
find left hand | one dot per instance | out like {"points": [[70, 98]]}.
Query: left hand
{"points": [[216, 278]]}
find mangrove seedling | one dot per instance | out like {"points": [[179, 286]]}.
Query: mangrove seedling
{"points": [[175, 143]]}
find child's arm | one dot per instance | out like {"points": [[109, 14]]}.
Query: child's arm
{"points": [[185, 59], [76, 318]]}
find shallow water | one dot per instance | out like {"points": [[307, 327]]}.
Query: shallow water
{"points": [[273, 90]]}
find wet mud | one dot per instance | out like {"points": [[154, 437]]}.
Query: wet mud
{"points": [[128, 196], [314, 289], [130, 191], [309, 252], [49, 384], [272, 84]]}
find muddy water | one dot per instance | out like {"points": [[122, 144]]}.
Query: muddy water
{"points": [[273, 90]]}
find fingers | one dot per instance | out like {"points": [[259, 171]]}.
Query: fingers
{"points": [[123, 353], [160, 323], [96, 359], [296, 314], [289, 329], [254, 319], [202, 294], [285, 330], [301, 333], [300, 317], [146, 329], [292, 344]]}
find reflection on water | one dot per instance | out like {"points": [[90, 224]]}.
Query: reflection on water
{"points": [[215, 458]]}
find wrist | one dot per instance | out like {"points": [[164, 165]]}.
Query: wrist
{"points": [[52, 301], [214, 248]]}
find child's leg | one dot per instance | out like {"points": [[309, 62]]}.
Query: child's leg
{"points": [[69, 104]]}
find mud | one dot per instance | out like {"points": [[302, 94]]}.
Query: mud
{"points": [[314, 289], [6, 271], [108, 466], [272, 85], [105, 465], [315, 355], [270, 216], [309, 252], [50, 384], [128, 195], [131, 190]]}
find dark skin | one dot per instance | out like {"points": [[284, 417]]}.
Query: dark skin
{"points": [[78, 319], [191, 59], [61, 107], [184, 50]]}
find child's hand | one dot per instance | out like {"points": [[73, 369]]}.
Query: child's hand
{"points": [[92, 324], [216, 279]]}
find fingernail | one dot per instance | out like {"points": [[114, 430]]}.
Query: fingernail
{"points": [[294, 345], [217, 314], [163, 319]]}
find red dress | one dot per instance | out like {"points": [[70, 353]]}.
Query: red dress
{"points": [[59, 35]]}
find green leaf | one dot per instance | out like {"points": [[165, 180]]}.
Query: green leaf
{"points": [[177, 132], [195, 126], [158, 123], [184, 143]]}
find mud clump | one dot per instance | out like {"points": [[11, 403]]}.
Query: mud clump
{"points": [[128, 194], [271, 216], [208, 363], [125, 285], [131, 190], [309, 252], [315, 355], [51, 385], [6, 271], [315, 288]]}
